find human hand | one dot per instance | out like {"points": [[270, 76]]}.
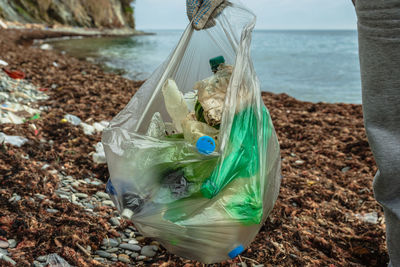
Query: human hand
{"points": [[202, 13]]}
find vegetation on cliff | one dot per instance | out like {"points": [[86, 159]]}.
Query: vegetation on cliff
{"points": [[81, 13]]}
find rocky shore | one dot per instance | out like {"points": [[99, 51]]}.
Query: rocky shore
{"points": [[53, 206]]}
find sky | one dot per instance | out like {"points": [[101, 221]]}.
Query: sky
{"points": [[271, 14]]}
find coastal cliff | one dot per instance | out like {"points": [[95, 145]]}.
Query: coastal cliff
{"points": [[80, 13]]}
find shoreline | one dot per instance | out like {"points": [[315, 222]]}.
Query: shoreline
{"points": [[327, 169], [33, 32]]}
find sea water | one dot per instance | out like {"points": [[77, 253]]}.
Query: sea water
{"points": [[310, 65]]}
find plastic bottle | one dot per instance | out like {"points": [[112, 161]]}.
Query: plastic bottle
{"points": [[175, 103], [194, 130]]}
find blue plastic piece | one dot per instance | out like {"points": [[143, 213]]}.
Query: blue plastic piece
{"points": [[235, 252], [205, 145], [110, 188]]}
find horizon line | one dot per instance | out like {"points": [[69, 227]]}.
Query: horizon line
{"points": [[264, 29]]}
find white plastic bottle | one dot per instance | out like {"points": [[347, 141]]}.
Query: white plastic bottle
{"points": [[175, 103]]}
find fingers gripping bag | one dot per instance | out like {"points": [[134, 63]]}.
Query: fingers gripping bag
{"points": [[194, 159]]}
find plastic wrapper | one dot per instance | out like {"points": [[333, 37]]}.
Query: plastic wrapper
{"points": [[202, 206]]}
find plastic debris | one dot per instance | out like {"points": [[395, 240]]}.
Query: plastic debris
{"points": [[88, 129], [199, 204], [368, 217], [212, 92], [35, 117], [190, 99], [74, 120], [11, 118], [46, 47], [193, 130], [17, 141], [205, 145], [175, 104], [157, 127], [15, 98], [99, 157], [16, 74], [3, 63], [100, 126]]}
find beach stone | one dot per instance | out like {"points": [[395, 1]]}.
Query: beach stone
{"points": [[12, 243], [103, 254], [130, 247], [141, 257], [8, 259], [40, 196], [4, 244], [149, 251], [98, 259], [108, 203], [81, 195], [133, 241], [110, 242], [140, 238], [345, 169], [114, 221], [102, 195], [114, 257], [52, 210], [42, 258], [75, 184], [124, 258], [89, 206], [64, 196], [15, 198], [155, 243], [134, 255], [112, 250]]}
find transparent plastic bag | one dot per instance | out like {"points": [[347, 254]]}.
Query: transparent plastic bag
{"points": [[202, 207]]}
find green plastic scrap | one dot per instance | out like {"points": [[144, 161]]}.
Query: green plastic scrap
{"points": [[241, 167], [242, 161], [35, 117]]}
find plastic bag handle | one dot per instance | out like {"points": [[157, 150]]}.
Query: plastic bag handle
{"points": [[172, 66]]}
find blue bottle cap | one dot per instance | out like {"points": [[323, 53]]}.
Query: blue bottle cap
{"points": [[110, 188], [205, 145], [236, 251]]}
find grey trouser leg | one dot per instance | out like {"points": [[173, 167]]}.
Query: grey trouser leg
{"points": [[379, 44]]}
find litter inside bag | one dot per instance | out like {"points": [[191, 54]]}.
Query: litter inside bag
{"points": [[194, 159]]}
